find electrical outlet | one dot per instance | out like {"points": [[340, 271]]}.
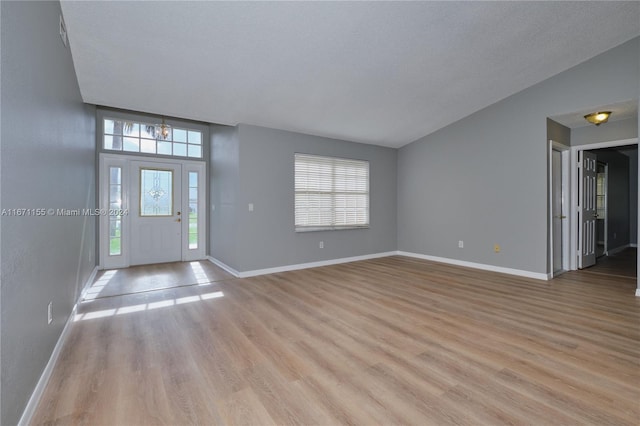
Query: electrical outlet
{"points": [[250, 207], [496, 248], [460, 244], [49, 312], [321, 245]]}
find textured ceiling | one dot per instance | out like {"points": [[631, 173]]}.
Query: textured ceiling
{"points": [[385, 73]]}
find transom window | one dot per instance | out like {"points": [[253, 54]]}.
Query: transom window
{"points": [[136, 137], [330, 193]]}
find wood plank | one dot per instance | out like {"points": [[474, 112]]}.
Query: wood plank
{"points": [[386, 341]]}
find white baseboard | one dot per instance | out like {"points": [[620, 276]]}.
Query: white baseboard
{"points": [[224, 266], [618, 249], [30, 409], [87, 284], [510, 271], [275, 270], [634, 245], [637, 292], [256, 272]]}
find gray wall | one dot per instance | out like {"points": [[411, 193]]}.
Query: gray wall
{"points": [[618, 210], [224, 175], [266, 238], [558, 133], [47, 161], [483, 179], [633, 195]]}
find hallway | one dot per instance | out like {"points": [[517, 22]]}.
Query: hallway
{"points": [[622, 264]]}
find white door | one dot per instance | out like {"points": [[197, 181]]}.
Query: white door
{"points": [[588, 175], [558, 216], [156, 216]]}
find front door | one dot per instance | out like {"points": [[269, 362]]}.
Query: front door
{"points": [[588, 212], [156, 216]]}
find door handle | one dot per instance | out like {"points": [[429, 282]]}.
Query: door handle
{"points": [[560, 217], [178, 220]]}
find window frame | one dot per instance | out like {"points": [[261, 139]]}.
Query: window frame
{"points": [[333, 226], [106, 113]]}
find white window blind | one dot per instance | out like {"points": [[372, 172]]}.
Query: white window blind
{"points": [[330, 193]]}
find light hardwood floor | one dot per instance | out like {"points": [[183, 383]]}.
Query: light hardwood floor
{"points": [[387, 341], [622, 264], [140, 279]]}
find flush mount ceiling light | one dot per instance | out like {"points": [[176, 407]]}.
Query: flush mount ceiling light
{"points": [[163, 131], [598, 118]]}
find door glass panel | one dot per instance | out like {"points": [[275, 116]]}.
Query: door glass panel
{"points": [[148, 146], [131, 129], [115, 204], [195, 138], [180, 149], [131, 144], [600, 195], [193, 210], [164, 148], [156, 192], [195, 151], [180, 135]]}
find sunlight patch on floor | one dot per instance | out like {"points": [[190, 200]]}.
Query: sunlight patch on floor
{"points": [[146, 306]]}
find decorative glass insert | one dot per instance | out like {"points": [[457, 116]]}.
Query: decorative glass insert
{"points": [[156, 192], [115, 205], [601, 193], [129, 136], [193, 210]]}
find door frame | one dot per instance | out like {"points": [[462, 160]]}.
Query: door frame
{"points": [[575, 231], [124, 161], [566, 185]]}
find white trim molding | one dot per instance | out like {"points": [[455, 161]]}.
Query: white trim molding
{"points": [[30, 409], [257, 272], [224, 266], [482, 266], [575, 230], [298, 266], [637, 292], [87, 284], [618, 249]]}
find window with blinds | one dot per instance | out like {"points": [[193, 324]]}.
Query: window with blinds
{"points": [[330, 193]]}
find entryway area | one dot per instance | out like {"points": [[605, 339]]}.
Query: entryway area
{"points": [[152, 210], [154, 278]]}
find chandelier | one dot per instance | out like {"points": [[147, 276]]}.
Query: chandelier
{"points": [[163, 131]]}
